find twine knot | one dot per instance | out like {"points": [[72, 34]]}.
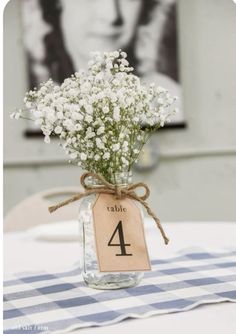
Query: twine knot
{"points": [[118, 191]]}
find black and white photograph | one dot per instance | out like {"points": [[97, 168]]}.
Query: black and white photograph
{"points": [[59, 35]]}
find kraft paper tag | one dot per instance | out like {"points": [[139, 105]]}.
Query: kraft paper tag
{"points": [[119, 235]]}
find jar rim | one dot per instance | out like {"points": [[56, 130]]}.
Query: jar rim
{"points": [[118, 178]]}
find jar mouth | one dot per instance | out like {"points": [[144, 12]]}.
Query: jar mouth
{"points": [[121, 179]]}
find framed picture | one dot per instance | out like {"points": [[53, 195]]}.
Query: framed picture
{"points": [[59, 35]]}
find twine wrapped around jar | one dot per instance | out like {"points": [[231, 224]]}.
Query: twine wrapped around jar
{"points": [[118, 191]]}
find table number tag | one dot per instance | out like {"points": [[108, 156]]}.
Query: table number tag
{"points": [[119, 235]]}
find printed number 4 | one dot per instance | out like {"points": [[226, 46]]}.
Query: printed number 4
{"points": [[122, 244]]}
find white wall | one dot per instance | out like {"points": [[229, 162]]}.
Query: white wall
{"points": [[196, 179]]}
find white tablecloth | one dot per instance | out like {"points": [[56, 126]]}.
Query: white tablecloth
{"points": [[24, 253]]}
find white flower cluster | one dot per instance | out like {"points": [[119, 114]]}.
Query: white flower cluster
{"points": [[103, 116]]}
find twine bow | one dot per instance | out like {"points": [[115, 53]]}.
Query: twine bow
{"points": [[119, 191]]}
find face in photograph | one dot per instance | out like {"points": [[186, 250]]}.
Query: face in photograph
{"points": [[102, 25]]}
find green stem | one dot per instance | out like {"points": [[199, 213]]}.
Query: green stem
{"points": [[28, 119]]}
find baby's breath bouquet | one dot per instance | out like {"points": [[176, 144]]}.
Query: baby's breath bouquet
{"points": [[102, 116]]}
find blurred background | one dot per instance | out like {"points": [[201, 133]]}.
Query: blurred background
{"points": [[187, 46]]}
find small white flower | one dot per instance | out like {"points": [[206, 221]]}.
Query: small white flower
{"points": [[116, 54], [75, 115], [88, 118], [125, 161], [113, 97], [47, 139], [82, 102], [106, 110], [90, 135], [83, 156], [59, 115], [79, 117], [89, 109], [78, 127], [115, 82], [28, 104], [100, 130], [16, 115], [59, 108], [58, 129], [69, 125], [89, 144], [160, 90], [109, 65], [116, 147], [125, 62], [99, 143], [106, 156], [100, 95], [116, 114], [51, 117], [73, 155]]}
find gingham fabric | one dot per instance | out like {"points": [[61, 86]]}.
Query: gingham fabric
{"points": [[59, 302]]}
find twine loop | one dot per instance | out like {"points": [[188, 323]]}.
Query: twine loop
{"points": [[118, 191]]}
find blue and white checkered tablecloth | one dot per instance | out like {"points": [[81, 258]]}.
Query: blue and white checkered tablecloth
{"points": [[59, 302]]}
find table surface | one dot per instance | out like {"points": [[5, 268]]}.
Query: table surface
{"points": [[22, 252]]}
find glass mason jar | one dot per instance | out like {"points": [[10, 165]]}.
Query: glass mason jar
{"points": [[90, 269]]}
